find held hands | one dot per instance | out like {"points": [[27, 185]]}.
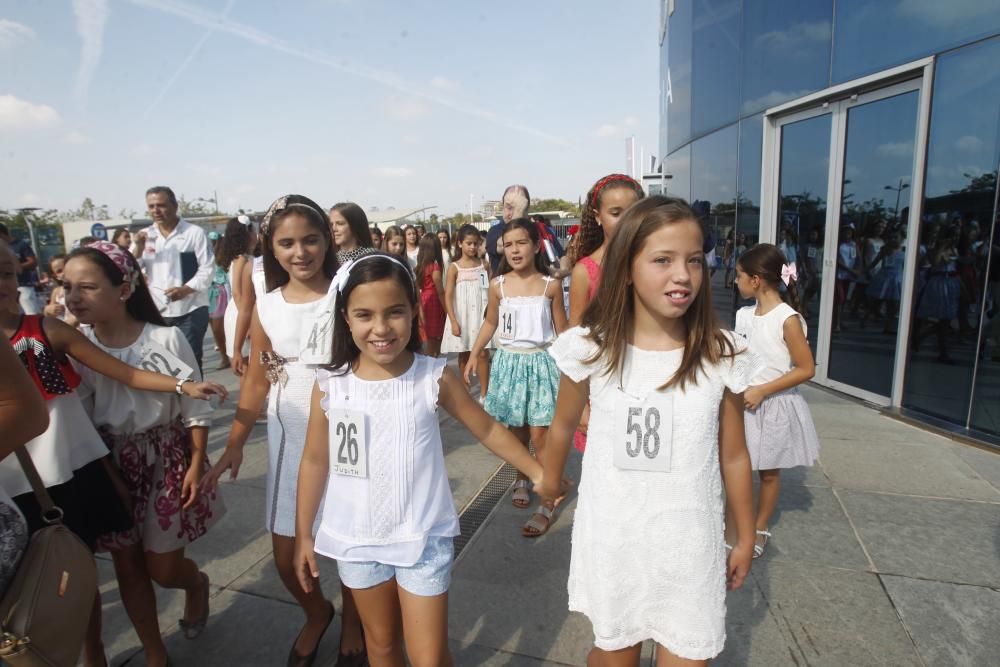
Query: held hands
{"points": [[753, 397], [738, 565], [204, 390], [54, 310], [231, 460], [304, 562]]}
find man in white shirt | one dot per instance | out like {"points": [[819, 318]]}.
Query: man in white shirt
{"points": [[178, 262]]}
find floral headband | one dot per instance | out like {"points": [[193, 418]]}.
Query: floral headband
{"points": [[289, 201], [122, 259]]}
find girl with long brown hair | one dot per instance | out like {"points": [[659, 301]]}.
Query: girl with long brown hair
{"points": [[649, 560]]}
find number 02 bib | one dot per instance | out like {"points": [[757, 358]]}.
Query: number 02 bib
{"points": [[348, 441], [643, 438]]}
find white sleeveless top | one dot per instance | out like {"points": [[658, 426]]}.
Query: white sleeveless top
{"points": [[257, 277], [766, 338], [531, 317], [283, 322], [388, 516]]}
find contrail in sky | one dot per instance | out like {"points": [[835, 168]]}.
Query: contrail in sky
{"points": [[220, 23], [184, 64], [91, 17]]}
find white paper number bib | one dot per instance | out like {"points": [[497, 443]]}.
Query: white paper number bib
{"points": [[644, 432], [158, 359], [508, 324], [348, 443]]}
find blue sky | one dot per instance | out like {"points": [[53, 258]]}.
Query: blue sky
{"points": [[387, 103]]}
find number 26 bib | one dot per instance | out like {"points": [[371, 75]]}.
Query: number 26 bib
{"points": [[348, 442], [643, 437]]}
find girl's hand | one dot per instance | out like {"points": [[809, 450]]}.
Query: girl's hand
{"points": [[204, 390], [54, 310], [231, 460], [239, 364], [738, 566], [456, 329], [584, 420], [470, 370], [191, 487], [304, 562], [753, 397]]}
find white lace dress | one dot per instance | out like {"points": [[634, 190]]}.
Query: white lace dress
{"points": [[648, 558]]}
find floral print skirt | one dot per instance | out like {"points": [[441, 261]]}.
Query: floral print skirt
{"points": [[523, 387], [152, 465]]}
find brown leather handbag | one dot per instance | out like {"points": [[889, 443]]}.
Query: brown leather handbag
{"points": [[45, 610]]}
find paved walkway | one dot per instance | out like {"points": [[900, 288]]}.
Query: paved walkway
{"points": [[885, 553]]}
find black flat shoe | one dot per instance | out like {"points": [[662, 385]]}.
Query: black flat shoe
{"points": [[296, 660], [352, 659]]}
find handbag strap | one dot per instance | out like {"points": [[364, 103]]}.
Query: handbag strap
{"points": [[51, 513]]}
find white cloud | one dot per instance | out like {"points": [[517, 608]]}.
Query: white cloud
{"points": [[142, 149], [969, 144], [403, 109], [443, 83], [896, 149], [631, 121], [607, 130], [772, 99], [29, 199], [795, 37], [410, 139], [77, 138], [91, 17], [12, 32], [17, 114], [393, 172]]}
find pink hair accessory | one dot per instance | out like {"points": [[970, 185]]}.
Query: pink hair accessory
{"points": [[789, 273], [122, 259]]}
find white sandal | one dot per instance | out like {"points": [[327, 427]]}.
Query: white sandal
{"points": [[758, 549]]}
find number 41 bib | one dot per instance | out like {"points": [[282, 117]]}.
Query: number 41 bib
{"points": [[348, 441], [643, 438]]}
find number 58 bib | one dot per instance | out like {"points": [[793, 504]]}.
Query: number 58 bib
{"points": [[643, 437]]}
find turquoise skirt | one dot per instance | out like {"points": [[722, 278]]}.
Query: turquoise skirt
{"points": [[523, 388]]}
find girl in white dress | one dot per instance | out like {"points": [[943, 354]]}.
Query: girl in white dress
{"points": [[649, 559], [233, 256], [158, 440], [466, 293], [779, 429], [299, 262], [374, 449]]}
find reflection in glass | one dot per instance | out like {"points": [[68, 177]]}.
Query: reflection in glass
{"points": [[748, 178], [802, 196], [958, 348], [716, 54], [677, 173], [873, 35], [679, 59], [713, 195], [786, 51], [871, 245]]}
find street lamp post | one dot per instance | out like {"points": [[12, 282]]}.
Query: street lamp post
{"points": [[25, 212], [899, 191]]}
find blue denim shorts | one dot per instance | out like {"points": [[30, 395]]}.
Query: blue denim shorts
{"points": [[429, 576]]}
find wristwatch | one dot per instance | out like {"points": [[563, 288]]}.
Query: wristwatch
{"points": [[180, 383]]}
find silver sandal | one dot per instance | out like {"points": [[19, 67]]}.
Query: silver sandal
{"points": [[535, 528], [758, 546], [521, 497]]}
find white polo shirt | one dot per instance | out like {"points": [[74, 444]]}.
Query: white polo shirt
{"points": [[169, 259]]}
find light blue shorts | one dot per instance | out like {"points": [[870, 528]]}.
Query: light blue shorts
{"points": [[429, 576]]}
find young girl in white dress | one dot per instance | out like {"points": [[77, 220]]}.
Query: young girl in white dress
{"points": [[299, 262], [234, 254], [158, 441], [374, 450], [71, 457], [779, 429], [466, 294], [526, 313], [649, 560]]}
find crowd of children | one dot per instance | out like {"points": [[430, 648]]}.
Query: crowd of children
{"points": [[346, 329]]}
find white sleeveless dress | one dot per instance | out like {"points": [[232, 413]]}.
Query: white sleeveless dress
{"points": [[471, 297], [287, 405]]}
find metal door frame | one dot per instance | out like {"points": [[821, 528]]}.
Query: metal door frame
{"points": [[837, 101]]}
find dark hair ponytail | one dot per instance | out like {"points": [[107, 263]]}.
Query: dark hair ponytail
{"points": [[541, 262], [766, 261], [140, 306]]}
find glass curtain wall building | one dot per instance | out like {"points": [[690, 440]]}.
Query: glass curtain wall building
{"points": [[863, 137]]}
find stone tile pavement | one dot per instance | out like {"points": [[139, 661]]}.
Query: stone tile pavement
{"points": [[885, 553]]}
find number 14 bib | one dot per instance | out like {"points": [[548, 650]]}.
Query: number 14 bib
{"points": [[643, 436]]}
